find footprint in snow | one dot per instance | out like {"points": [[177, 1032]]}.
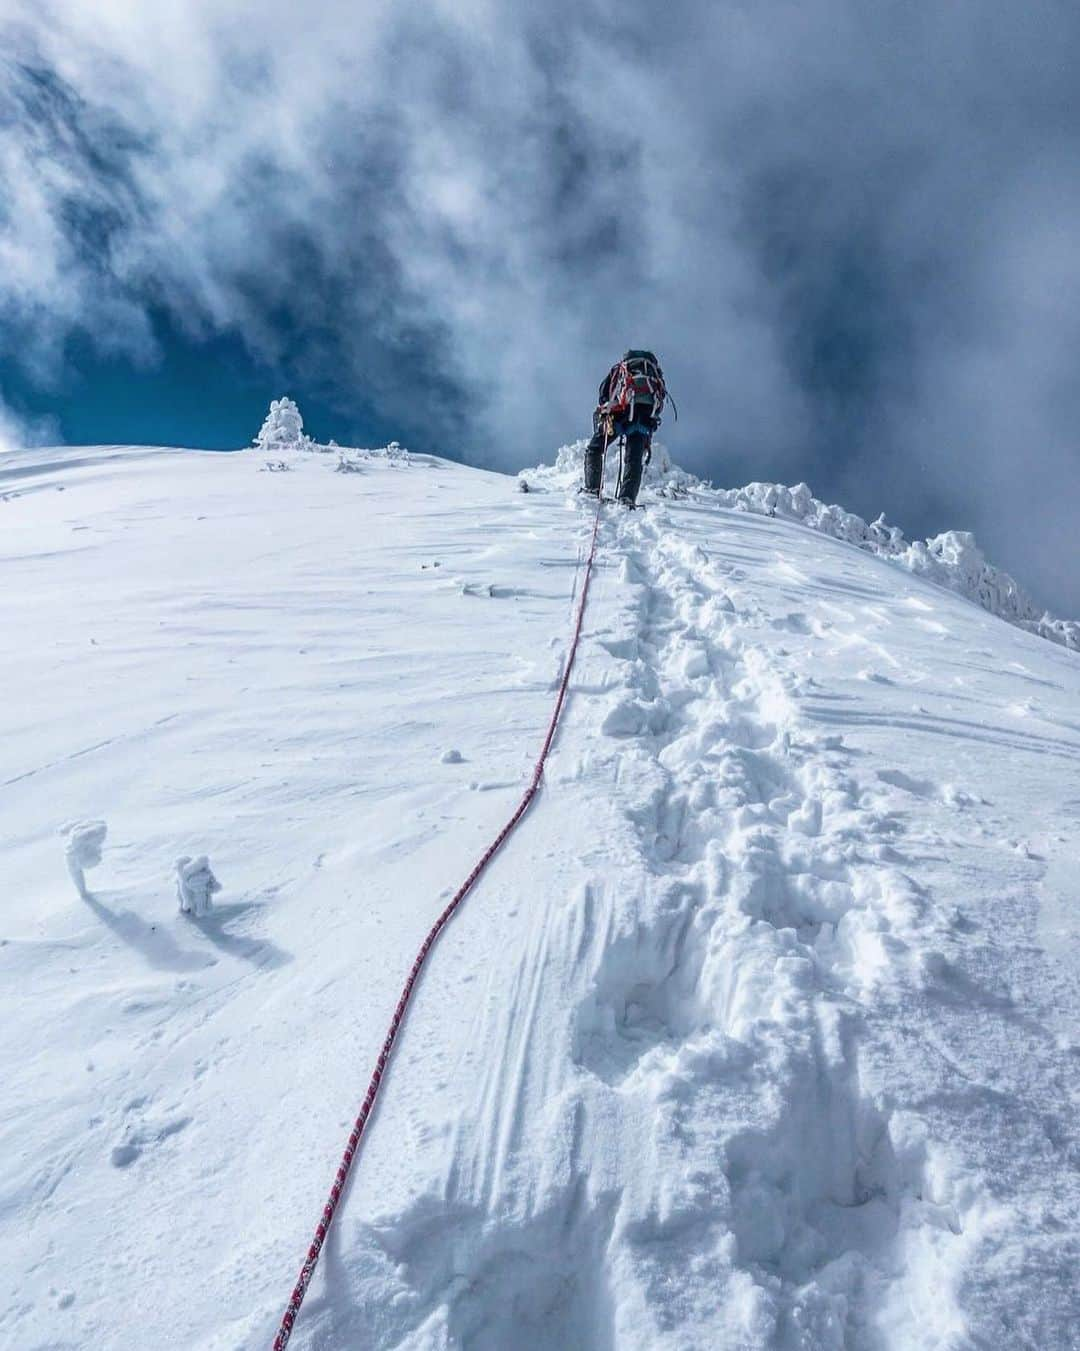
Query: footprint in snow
{"points": [[627, 718], [796, 622], [146, 1136], [945, 792]]}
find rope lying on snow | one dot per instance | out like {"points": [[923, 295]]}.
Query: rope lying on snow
{"points": [[352, 1147]]}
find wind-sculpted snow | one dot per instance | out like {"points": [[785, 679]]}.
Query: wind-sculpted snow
{"points": [[759, 1036], [952, 559], [196, 885], [85, 840]]}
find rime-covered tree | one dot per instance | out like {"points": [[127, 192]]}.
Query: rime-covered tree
{"points": [[283, 428]]}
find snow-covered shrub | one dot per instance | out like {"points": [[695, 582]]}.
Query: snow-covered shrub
{"points": [[283, 428], [353, 460], [394, 453], [83, 849], [196, 885]]}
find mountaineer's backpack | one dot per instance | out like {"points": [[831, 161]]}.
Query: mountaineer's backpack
{"points": [[636, 380]]}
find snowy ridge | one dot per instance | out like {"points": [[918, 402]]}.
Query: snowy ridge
{"points": [[952, 559]]}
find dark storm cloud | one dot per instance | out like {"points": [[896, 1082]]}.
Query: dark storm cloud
{"points": [[848, 229]]}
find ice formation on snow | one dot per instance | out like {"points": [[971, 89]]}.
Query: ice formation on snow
{"points": [[952, 559], [283, 428], [396, 453], [195, 885], [83, 849], [353, 460]]}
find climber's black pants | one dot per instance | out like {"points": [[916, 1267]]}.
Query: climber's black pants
{"points": [[633, 460]]}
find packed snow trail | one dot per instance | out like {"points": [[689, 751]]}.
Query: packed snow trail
{"points": [[723, 1094], [761, 1036]]}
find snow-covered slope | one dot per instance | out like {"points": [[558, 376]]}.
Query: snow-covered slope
{"points": [[951, 559], [762, 1033]]}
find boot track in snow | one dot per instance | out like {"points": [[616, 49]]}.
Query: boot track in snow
{"points": [[678, 1143]]}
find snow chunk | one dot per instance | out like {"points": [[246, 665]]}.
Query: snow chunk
{"points": [[283, 428], [661, 473], [83, 849], [452, 757], [195, 885]]}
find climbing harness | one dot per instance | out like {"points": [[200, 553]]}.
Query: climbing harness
{"points": [[352, 1147]]}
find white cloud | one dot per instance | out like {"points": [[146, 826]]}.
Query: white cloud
{"points": [[17, 432], [824, 219], [10, 433]]}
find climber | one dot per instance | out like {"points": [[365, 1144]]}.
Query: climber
{"points": [[631, 400]]}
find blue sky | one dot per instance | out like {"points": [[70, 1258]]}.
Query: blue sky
{"points": [[207, 392], [847, 230]]}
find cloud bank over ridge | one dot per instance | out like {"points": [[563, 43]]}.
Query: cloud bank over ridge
{"points": [[847, 232]]}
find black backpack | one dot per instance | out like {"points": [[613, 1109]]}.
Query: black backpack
{"points": [[636, 379]]}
